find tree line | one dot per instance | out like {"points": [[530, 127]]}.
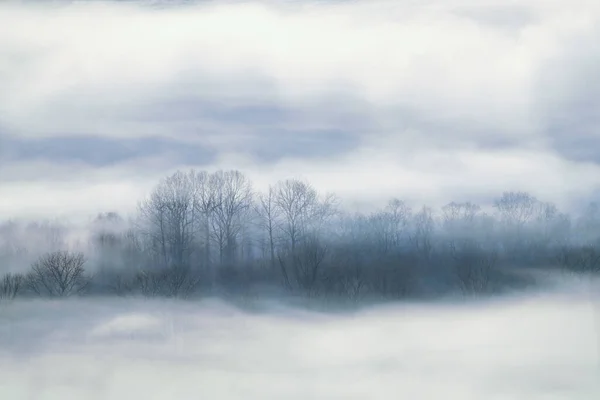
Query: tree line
{"points": [[199, 232]]}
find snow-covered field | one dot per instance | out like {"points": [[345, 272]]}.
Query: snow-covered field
{"points": [[539, 346]]}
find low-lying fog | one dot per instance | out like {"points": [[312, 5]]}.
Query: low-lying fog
{"points": [[542, 345]]}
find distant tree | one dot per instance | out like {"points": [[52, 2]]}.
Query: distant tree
{"points": [[58, 274], [515, 212], [516, 208], [549, 230], [304, 215], [579, 259], [306, 263], [473, 266], [399, 215], [297, 202], [105, 229], [388, 229], [234, 198], [174, 281], [346, 277], [459, 219], [422, 234], [268, 221], [11, 285], [106, 241], [48, 235], [199, 229], [168, 220], [206, 187], [588, 225]]}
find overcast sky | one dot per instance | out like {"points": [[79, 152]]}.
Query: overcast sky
{"points": [[430, 101]]}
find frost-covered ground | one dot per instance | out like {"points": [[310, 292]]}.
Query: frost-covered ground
{"points": [[539, 346]]}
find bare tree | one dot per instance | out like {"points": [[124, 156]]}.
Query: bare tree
{"points": [[549, 229], [58, 274], [460, 218], [307, 263], [268, 219], [389, 229], [393, 275], [181, 281], [422, 236], [579, 259], [234, 197], [134, 252], [516, 211], [206, 187], [473, 266], [303, 217], [399, 214], [174, 281], [380, 232], [516, 208], [296, 201], [466, 221], [120, 283], [106, 240], [154, 224], [11, 285], [588, 224], [168, 218], [345, 280]]}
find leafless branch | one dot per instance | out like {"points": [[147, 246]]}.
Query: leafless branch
{"points": [[58, 274]]}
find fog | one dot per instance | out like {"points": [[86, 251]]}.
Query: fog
{"points": [[543, 345], [366, 199]]}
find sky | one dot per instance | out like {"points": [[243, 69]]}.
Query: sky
{"points": [[540, 345], [429, 101]]}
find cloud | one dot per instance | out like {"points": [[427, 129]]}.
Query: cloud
{"points": [[569, 96], [98, 151], [425, 100], [424, 59]]}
